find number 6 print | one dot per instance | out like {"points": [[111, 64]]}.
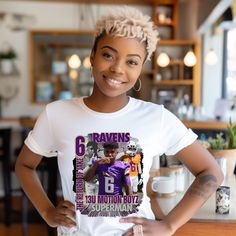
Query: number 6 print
{"points": [[109, 184]]}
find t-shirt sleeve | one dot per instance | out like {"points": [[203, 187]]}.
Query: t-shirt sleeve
{"points": [[175, 135], [40, 140]]}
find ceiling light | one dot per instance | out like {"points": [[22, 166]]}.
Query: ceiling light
{"points": [[211, 57], [74, 61], [163, 59], [190, 59]]}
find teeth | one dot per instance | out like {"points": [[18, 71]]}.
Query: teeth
{"points": [[115, 81]]}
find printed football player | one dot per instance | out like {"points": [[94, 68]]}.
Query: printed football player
{"points": [[113, 175], [133, 157], [91, 187]]}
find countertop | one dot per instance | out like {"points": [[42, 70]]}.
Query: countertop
{"points": [[207, 212], [207, 124]]}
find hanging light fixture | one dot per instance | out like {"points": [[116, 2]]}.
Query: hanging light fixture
{"points": [[163, 59], [74, 61], [86, 62], [190, 59], [211, 57]]}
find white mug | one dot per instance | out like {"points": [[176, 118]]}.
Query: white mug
{"points": [[164, 185]]}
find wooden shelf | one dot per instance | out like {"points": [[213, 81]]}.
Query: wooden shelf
{"points": [[176, 62], [49, 71], [208, 125], [176, 42], [165, 16], [173, 82], [164, 24], [176, 73]]}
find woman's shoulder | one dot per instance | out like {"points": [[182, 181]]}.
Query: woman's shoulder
{"points": [[147, 105], [62, 103]]}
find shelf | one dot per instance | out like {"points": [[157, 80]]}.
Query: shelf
{"points": [[176, 62], [7, 76], [164, 24], [51, 76], [165, 17], [176, 79], [176, 42], [173, 82]]}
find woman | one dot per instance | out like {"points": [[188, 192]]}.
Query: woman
{"points": [[124, 40]]}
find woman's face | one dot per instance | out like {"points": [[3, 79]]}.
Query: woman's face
{"points": [[117, 64]]}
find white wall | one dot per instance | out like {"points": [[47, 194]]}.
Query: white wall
{"points": [[212, 74], [47, 16]]}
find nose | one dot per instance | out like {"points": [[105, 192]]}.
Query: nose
{"points": [[117, 67]]}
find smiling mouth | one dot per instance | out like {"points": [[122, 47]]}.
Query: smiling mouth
{"points": [[113, 82]]}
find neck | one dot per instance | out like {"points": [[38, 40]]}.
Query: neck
{"points": [[106, 104]]}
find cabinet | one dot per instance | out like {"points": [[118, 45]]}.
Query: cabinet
{"points": [[164, 15], [51, 76], [176, 79], [173, 81]]}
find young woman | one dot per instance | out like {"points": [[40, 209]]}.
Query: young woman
{"points": [[124, 40]]}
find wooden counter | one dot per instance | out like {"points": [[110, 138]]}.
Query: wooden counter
{"points": [[26, 122], [206, 221], [10, 122], [206, 125]]}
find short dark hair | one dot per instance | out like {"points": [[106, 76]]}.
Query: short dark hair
{"points": [[111, 145], [93, 144]]}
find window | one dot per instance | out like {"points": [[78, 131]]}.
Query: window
{"points": [[230, 65]]}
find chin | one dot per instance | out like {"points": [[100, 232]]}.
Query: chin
{"points": [[114, 94]]}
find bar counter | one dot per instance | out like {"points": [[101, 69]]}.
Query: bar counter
{"points": [[206, 125], [205, 221]]}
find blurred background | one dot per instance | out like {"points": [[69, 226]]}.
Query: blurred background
{"points": [[44, 56]]}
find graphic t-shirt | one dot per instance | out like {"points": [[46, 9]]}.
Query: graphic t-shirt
{"points": [[112, 177], [76, 134]]}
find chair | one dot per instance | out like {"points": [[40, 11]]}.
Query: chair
{"points": [[5, 150]]}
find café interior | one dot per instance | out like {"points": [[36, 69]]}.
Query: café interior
{"points": [[44, 56]]}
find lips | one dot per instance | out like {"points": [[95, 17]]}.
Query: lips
{"points": [[113, 82]]}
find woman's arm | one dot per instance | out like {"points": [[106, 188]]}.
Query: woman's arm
{"points": [[26, 165], [208, 177]]}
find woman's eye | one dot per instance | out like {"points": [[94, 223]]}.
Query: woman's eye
{"points": [[107, 55], [132, 63]]}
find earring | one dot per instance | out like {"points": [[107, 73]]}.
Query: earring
{"points": [[139, 87]]}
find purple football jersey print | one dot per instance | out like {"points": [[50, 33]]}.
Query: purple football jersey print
{"points": [[112, 178]]}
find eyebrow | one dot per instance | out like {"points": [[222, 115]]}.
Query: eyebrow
{"points": [[114, 50]]}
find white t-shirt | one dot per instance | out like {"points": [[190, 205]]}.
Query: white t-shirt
{"points": [[64, 128]]}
